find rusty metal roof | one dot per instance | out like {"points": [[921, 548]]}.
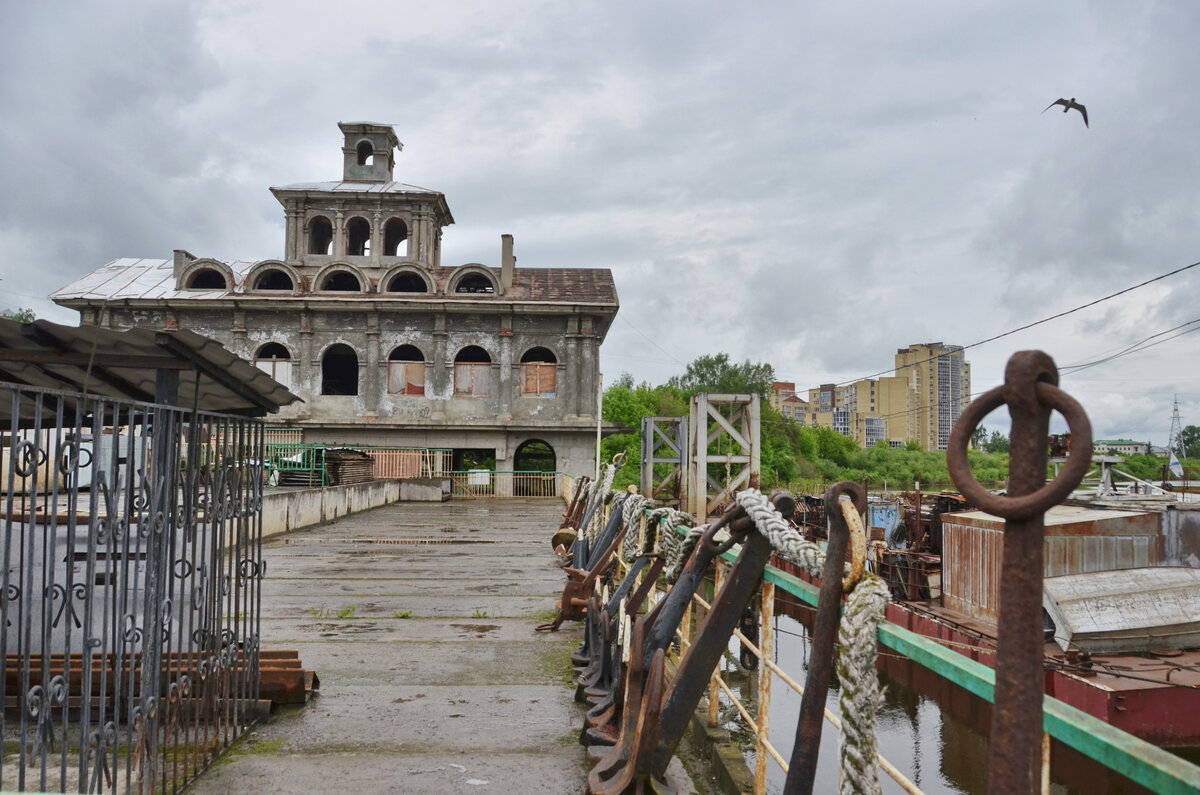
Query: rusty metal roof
{"points": [[123, 364], [353, 186]]}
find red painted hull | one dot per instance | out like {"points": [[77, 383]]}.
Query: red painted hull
{"points": [[1164, 711]]}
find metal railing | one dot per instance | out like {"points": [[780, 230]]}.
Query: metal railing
{"points": [[276, 435], [489, 483], [410, 462], [296, 464], [130, 592]]}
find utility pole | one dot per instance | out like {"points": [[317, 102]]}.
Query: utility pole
{"points": [[1175, 439]]}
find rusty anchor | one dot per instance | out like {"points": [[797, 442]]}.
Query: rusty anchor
{"points": [[564, 537], [596, 674], [1031, 391], [581, 583], [654, 715], [603, 719], [802, 768]]}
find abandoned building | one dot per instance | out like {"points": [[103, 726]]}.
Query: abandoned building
{"points": [[385, 345]]}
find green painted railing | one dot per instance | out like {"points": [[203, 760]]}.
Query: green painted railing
{"points": [[490, 483], [1136, 759], [289, 459]]}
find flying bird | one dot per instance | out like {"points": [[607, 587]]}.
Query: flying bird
{"points": [[1067, 105]]}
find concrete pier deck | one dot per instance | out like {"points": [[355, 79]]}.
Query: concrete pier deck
{"points": [[418, 618]]}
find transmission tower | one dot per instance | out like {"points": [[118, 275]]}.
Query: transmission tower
{"points": [[1175, 439]]}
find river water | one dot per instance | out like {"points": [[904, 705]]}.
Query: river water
{"points": [[935, 732]]}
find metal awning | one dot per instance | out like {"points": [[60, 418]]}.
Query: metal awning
{"points": [[1129, 610], [101, 362]]}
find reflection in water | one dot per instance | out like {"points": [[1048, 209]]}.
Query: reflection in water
{"points": [[933, 731]]}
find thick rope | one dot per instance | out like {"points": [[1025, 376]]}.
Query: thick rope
{"points": [[605, 492], [682, 552], [784, 538], [664, 539], [667, 522], [860, 695], [631, 515]]}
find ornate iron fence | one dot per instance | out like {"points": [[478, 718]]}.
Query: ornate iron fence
{"points": [[130, 591]]}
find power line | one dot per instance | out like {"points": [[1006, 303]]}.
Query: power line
{"points": [[652, 342], [1038, 322], [1136, 347]]}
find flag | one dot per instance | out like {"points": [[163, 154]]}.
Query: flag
{"points": [[1176, 467]]}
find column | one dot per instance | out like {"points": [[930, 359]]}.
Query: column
{"points": [[438, 369], [376, 238], [339, 234], [306, 384], [372, 393], [506, 387]]}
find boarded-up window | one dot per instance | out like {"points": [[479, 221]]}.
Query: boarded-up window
{"points": [[539, 378], [406, 378], [275, 360], [472, 379]]}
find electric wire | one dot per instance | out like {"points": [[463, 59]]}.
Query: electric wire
{"points": [[1038, 322]]}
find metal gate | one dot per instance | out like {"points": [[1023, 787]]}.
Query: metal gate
{"points": [[130, 590]]}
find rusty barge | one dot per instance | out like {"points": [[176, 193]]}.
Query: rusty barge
{"points": [[1122, 592]]}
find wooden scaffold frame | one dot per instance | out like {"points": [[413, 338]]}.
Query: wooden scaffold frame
{"points": [[732, 423]]}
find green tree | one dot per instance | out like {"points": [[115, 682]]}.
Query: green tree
{"points": [[717, 374], [23, 315], [979, 438], [1189, 437], [998, 443]]}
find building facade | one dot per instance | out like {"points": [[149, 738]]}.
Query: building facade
{"points": [[920, 403], [940, 377], [386, 346], [1122, 447]]}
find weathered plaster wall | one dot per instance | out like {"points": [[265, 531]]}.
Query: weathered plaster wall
{"points": [[284, 511]]}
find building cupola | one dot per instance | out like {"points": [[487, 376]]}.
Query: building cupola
{"points": [[369, 151]]}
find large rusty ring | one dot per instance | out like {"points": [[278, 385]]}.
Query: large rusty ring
{"points": [[1049, 495]]}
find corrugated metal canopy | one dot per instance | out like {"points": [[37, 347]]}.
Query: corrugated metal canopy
{"points": [[1134, 610], [123, 364]]}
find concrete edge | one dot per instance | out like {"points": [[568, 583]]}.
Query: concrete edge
{"points": [[716, 746]]}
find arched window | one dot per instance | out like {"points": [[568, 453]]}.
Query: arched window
{"points": [[407, 282], [475, 283], [406, 371], [358, 237], [365, 150], [395, 238], [274, 280], [539, 373], [320, 235], [339, 371], [275, 360], [207, 279], [472, 372], [341, 281]]}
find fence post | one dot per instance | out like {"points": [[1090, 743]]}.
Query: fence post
{"points": [[766, 651], [714, 690], [1030, 390]]}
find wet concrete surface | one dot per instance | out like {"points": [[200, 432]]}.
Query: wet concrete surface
{"points": [[418, 618]]}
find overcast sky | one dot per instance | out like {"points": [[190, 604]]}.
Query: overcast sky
{"points": [[812, 185]]}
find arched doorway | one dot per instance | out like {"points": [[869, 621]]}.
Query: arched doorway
{"points": [[534, 465]]}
